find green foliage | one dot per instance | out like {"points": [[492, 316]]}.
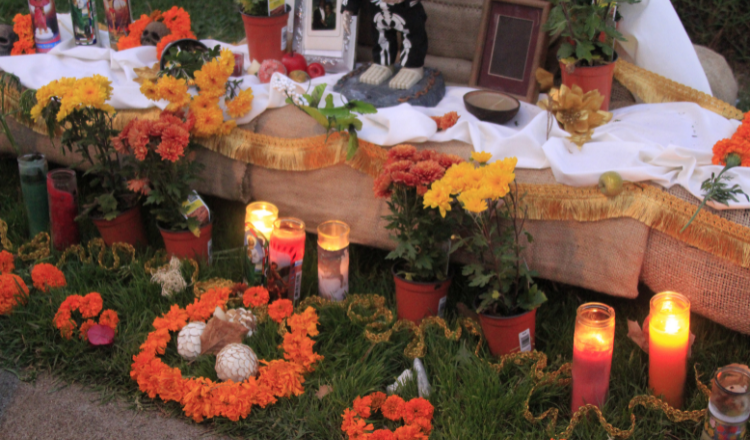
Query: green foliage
{"points": [[423, 237], [256, 8], [184, 63], [8, 80], [722, 25], [507, 284], [342, 119], [580, 23]]}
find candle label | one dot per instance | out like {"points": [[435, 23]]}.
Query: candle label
{"points": [[255, 245], [46, 29], [524, 340], [333, 273], [717, 429], [285, 272], [119, 16], [85, 28]]}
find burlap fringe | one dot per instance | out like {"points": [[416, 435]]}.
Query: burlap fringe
{"points": [[654, 88]]}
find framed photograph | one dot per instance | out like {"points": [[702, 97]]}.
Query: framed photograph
{"points": [[510, 47], [321, 36]]}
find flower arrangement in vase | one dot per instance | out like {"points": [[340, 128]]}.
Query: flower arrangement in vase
{"points": [[422, 236], [589, 32], [488, 196], [79, 107]]}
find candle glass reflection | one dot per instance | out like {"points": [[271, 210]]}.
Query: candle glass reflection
{"points": [[259, 220], [287, 251], [729, 404], [333, 260], [669, 334], [593, 344]]}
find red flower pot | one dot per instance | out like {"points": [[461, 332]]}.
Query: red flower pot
{"points": [[266, 36], [415, 300], [506, 335], [125, 228], [183, 244], [591, 78]]}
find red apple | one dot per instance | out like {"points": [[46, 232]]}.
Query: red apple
{"points": [[268, 68], [294, 61], [315, 70]]}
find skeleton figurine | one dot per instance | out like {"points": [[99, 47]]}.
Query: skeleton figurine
{"points": [[391, 16]]}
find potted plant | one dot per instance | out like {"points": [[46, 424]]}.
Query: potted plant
{"points": [[79, 108], [32, 168], [164, 174], [266, 30], [587, 53], [422, 236], [489, 197]]}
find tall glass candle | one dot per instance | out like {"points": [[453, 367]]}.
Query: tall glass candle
{"points": [[669, 334], [333, 260], [259, 219], [287, 250], [32, 169], [44, 22], [63, 208], [593, 344]]}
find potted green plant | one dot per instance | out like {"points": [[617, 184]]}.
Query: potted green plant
{"points": [[422, 236], [489, 197], [266, 30], [164, 174], [79, 108], [587, 53], [32, 168]]}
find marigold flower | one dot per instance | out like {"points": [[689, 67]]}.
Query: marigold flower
{"points": [[409, 432], [280, 309], [91, 305], [212, 79], [227, 127], [255, 297], [382, 434], [736, 145], [110, 319], [363, 406], [6, 262], [393, 408], [13, 291], [46, 276], [481, 156], [378, 398], [298, 348], [83, 331], [174, 90], [417, 408], [150, 90], [203, 102], [306, 322]]}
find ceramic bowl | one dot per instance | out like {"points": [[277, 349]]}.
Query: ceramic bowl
{"points": [[491, 106]]}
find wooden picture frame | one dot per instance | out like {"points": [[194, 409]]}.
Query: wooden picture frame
{"points": [[510, 47]]}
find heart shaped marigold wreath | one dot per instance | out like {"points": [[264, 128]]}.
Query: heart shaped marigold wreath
{"points": [[416, 413], [203, 398]]}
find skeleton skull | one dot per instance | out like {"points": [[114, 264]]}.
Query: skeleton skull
{"points": [[153, 33], [7, 38]]}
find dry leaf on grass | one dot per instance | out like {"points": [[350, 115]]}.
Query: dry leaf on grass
{"points": [[323, 391], [640, 335], [219, 334]]}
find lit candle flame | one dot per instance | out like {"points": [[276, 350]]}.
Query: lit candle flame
{"points": [[672, 325]]}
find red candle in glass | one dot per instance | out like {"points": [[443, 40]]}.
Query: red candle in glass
{"points": [[593, 345], [63, 208], [287, 251]]}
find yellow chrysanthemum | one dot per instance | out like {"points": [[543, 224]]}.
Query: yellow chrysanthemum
{"points": [[226, 61], [104, 83], [175, 91], [203, 102], [211, 79], [481, 156], [456, 175], [90, 93], [472, 201], [227, 127], [150, 90], [241, 104], [208, 122], [439, 196]]}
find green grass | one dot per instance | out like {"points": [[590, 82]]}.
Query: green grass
{"points": [[471, 400]]}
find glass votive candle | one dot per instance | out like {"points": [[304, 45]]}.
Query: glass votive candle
{"points": [[593, 344], [287, 251], [669, 336], [239, 65], [259, 219], [62, 190], [729, 404], [333, 260]]}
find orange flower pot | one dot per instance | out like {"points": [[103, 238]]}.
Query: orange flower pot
{"points": [[183, 244], [415, 301], [125, 228], [591, 78], [266, 36], [505, 335]]}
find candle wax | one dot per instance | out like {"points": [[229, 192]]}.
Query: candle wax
{"points": [[667, 369], [592, 363]]}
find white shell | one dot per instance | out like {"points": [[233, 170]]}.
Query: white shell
{"points": [[236, 362], [189, 340], [244, 317]]}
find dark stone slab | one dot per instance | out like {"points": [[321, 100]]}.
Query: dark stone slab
{"points": [[426, 93]]}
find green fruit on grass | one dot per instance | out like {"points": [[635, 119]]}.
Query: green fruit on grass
{"points": [[610, 184]]}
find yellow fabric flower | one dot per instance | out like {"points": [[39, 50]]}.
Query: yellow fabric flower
{"points": [[438, 196], [150, 90], [473, 201], [241, 104], [578, 113], [481, 156]]}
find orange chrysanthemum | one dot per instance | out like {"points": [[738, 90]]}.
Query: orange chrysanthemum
{"points": [[402, 152], [446, 121], [255, 297], [393, 408], [110, 319], [83, 331], [6, 262], [428, 171], [280, 309], [140, 186], [174, 140], [13, 291], [46, 276], [306, 322]]}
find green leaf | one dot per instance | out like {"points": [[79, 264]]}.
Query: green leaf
{"points": [[314, 98], [566, 50], [361, 107], [337, 112], [317, 115], [532, 299], [329, 102], [353, 143], [108, 205]]}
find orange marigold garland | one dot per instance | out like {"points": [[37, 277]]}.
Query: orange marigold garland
{"points": [[203, 398], [7, 264], [46, 276], [89, 306], [417, 415], [23, 27], [177, 20], [13, 291]]}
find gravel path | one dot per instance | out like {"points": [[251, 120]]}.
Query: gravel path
{"points": [[43, 410]]}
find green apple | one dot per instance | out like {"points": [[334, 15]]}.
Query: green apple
{"points": [[610, 183]]}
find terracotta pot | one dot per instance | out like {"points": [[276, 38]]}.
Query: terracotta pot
{"points": [[415, 300], [266, 36], [505, 335], [591, 78], [183, 244], [125, 228]]}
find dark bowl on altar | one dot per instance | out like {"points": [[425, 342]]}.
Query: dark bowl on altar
{"points": [[186, 44], [491, 106]]}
